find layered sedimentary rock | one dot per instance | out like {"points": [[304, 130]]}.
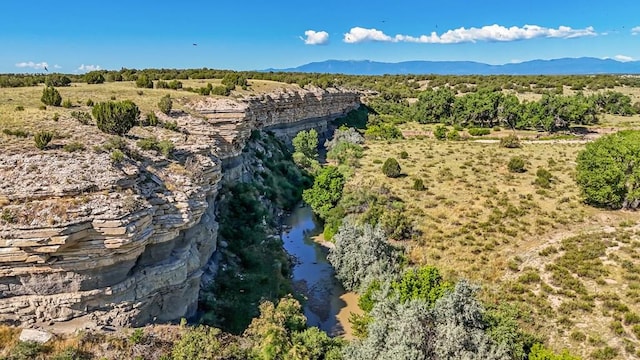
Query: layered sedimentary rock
{"points": [[128, 242]]}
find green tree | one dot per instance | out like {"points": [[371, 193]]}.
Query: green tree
{"points": [[166, 104], [306, 142], [116, 117], [608, 172], [271, 331], [51, 96], [94, 77], [198, 343], [539, 352], [434, 106], [144, 82], [425, 283], [391, 168], [325, 192], [57, 80]]}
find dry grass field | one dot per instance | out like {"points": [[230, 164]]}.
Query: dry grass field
{"points": [[571, 269], [21, 109]]}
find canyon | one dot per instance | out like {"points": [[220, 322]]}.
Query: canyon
{"points": [[133, 242]]}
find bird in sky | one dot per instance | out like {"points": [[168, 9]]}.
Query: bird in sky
{"points": [[45, 68], [194, 44]]}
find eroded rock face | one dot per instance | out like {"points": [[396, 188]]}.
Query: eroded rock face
{"points": [[128, 242]]}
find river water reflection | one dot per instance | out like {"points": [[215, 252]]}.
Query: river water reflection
{"points": [[328, 305]]}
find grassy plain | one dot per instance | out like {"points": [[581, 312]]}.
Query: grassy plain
{"points": [[570, 269], [22, 110]]}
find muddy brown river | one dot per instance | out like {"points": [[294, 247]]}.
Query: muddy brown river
{"points": [[328, 305]]}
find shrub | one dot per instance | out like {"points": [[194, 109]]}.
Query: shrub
{"points": [[440, 132], [117, 155], [397, 225], [151, 119], [516, 165], [42, 107], [543, 178], [42, 139], [425, 283], [383, 131], [510, 142], [116, 117], [89, 102], [51, 96], [67, 104], [18, 133], [170, 125], [418, 185], [479, 131], [160, 84], [83, 118], [144, 82], [404, 155], [55, 117], [57, 80], [19, 108], [165, 147], [26, 350], [539, 352], [175, 84], [73, 147], [391, 168], [94, 77], [607, 171], [197, 343], [362, 255], [148, 143], [165, 104], [453, 135], [218, 90]]}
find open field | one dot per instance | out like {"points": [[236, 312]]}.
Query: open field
{"points": [[22, 110], [480, 221]]}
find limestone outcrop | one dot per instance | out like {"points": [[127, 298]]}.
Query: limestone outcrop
{"points": [[127, 243]]}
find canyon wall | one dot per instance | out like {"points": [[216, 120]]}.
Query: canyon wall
{"points": [[127, 243]]}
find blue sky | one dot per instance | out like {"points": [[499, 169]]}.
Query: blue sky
{"points": [[77, 36]]}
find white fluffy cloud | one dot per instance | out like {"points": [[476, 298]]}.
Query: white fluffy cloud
{"points": [[493, 32], [315, 37], [635, 30], [33, 65], [87, 68], [623, 58]]}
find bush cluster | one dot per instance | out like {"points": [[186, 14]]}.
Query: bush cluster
{"points": [[166, 104], [116, 117], [516, 165], [510, 141], [42, 139], [51, 96], [391, 168]]}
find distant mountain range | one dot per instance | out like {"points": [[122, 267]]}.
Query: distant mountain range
{"points": [[564, 66]]}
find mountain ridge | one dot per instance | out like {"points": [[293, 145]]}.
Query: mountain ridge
{"points": [[560, 66]]}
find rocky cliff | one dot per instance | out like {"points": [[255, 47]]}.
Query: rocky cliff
{"points": [[126, 243]]}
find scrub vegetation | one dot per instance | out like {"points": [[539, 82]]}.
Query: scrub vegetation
{"points": [[478, 217]]}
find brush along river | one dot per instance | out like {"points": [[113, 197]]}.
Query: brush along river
{"points": [[328, 305]]}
